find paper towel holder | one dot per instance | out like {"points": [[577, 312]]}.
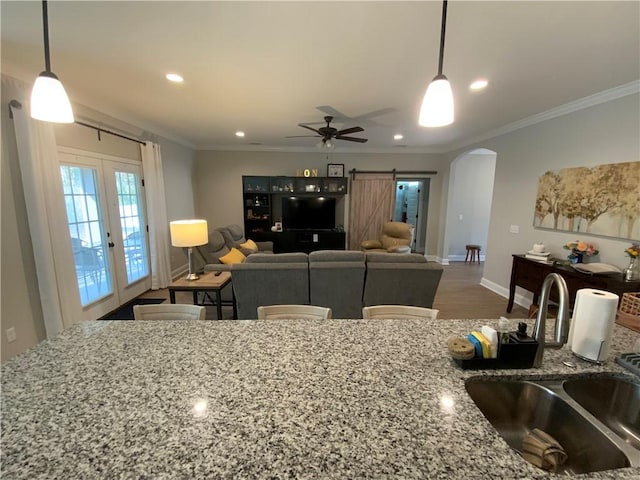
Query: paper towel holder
{"points": [[591, 360]]}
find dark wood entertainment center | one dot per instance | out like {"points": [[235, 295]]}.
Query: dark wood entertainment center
{"points": [[261, 197]]}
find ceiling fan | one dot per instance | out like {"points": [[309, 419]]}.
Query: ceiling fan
{"points": [[327, 133]]}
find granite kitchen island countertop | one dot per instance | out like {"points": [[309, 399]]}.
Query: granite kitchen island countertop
{"points": [[260, 399]]}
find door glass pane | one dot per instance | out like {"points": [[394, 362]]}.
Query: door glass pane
{"points": [[133, 226], [84, 218]]}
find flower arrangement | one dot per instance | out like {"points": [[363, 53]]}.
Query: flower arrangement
{"points": [[579, 248], [633, 251]]}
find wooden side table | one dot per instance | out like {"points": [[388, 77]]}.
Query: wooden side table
{"points": [[530, 274], [207, 283]]}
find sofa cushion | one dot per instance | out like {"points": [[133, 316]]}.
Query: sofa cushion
{"points": [[336, 280], [381, 257], [278, 258], [337, 256], [234, 256], [249, 245], [401, 283]]}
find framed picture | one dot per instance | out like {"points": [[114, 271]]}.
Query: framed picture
{"points": [[335, 170], [278, 226]]}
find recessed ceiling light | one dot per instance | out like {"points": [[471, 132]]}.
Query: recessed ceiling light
{"points": [[398, 136], [174, 77], [239, 134], [479, 84]]}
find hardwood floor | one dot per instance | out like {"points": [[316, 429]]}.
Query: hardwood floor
{"points": [[459, 295]]}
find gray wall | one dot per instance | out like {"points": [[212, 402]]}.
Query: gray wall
{"points": [[218, 185], [604, 133], [20, 303]]}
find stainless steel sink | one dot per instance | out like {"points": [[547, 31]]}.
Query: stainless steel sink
{"points": [[515, 407], [613, 401]]}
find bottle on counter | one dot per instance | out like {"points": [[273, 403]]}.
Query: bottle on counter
{"points": [[503, 330]]}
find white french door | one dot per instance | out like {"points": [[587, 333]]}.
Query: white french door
{"points": [[107, 224]]}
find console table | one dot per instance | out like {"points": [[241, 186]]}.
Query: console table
{"points": [[529, 274]]}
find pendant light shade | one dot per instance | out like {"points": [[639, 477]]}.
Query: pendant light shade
{"points": [[437, 105], [49, 101]]}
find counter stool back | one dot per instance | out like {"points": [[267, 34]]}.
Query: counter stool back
{"points": [[172, 311], [399, 312], [290, 312]]}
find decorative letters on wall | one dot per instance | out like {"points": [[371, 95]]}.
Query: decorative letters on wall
{"points": [[601, 200]]}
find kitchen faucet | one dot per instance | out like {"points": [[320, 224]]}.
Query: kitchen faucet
{"points": [[561, 332]]}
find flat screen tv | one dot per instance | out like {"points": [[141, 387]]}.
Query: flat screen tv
{"points": [[308, 213]]}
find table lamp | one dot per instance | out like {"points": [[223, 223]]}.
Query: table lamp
{"points": [[189, 234]]}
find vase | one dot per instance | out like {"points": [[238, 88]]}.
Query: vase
{"points": [[631, 272], [575, 258]]}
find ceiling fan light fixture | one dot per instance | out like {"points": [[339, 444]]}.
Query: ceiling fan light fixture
{"points": [[49, 100], [437, 104], [326, 145]]}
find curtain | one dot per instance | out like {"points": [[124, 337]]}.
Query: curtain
{"points": [[156, 215], [46, 213], [371, 203]]}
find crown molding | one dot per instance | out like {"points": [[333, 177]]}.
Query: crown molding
{"points": [[337, 151], [630, 88]]}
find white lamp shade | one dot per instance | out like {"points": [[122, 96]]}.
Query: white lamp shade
{"points": [[437, 105], [49, 101], [188, 233]]}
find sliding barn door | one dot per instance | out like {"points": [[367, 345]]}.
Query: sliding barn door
{"points": [[371, 205]]}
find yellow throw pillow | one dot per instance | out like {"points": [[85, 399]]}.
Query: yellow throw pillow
{"points": [[234, 256], [249, 245]]}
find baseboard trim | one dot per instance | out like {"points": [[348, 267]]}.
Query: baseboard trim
{"points": [[461, 258], [523, 300]]}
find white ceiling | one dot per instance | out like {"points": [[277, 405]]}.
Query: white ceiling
{"points": [[263, 67]]}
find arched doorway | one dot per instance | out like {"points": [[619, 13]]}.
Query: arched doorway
{"points": [[469, 202]]}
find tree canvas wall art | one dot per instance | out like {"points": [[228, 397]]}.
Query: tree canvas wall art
{"points": [[601, 200]]}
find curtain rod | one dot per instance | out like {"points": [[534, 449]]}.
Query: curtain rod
{"points": [[16, 104], [99, 129]]}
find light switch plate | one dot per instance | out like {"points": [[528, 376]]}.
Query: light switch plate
{"points": [[514, 229], [11, 334]]}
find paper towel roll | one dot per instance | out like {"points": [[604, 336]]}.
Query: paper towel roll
{"points": [[594, 314]]}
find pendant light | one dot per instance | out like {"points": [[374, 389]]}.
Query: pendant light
{"points": [[437, 105], [49, 101]]}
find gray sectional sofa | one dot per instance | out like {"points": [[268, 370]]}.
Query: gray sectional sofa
{"points": [[345, 281]]}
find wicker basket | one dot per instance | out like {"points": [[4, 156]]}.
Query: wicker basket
{"points": [[629, 311]]}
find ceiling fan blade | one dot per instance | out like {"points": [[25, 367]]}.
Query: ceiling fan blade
{"points": [[302, 136], [350, 130], [352, 139], [375, 113], [309, 128], [329, 110]]}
